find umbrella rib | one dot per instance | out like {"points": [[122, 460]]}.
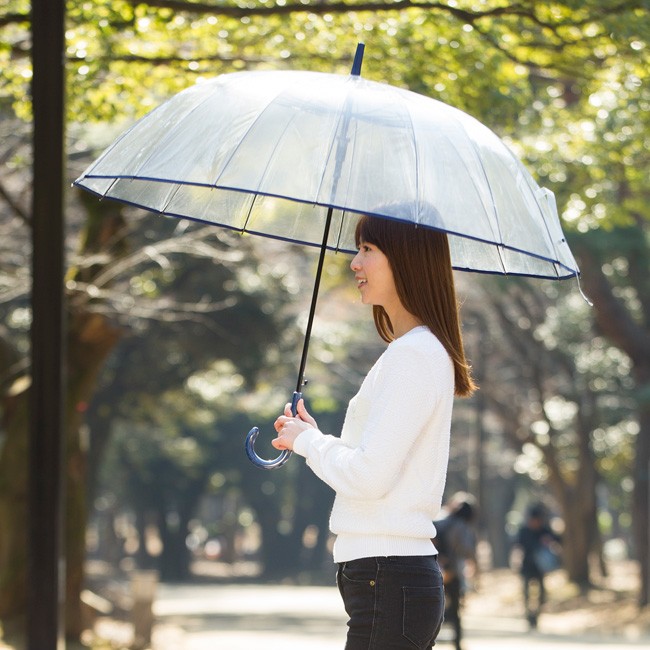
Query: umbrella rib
{"points": [[110, 187], [548, 231], [340, 134], [499, 245], [255, 120], [268, 163], [170, 196], [499, 238], [417, 166], [327, 159], [340, 232], [248, 216], [169, 134]]}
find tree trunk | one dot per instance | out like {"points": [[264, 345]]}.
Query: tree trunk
{"points": [[577, 495], [276, 561], [174, 562], [617, 323], [13, 511], [495, 502], [641, 493], [90, 340]]}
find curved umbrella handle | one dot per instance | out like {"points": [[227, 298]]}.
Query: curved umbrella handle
{"points": [[252, 437]]}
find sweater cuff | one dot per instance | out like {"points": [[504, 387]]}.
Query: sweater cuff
{"points": [[302, 442]]}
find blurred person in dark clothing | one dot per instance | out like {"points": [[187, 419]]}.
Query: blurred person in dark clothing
{"points": [[456, 544], [538, 544]]}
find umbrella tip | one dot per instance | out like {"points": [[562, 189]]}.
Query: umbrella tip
{"points": [[358, 58]]}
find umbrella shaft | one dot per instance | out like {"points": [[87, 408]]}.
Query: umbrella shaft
{"points": [[314, 299]]}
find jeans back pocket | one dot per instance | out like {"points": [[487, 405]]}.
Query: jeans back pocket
{"points": [[423, 614]]}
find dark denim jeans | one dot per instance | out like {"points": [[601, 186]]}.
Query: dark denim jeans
{"points": [[393, 602]]}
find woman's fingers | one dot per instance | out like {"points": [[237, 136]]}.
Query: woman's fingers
{"points": [[278, 444], [303, 413], [280, 422]]}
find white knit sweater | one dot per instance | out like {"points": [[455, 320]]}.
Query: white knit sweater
{"points": [[389, 466]]}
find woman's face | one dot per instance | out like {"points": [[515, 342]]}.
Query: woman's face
{"points": [[374, 277]]}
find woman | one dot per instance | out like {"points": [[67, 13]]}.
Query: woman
{"points": [[388, 468]]}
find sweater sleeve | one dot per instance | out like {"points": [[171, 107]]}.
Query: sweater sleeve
{"points": [[404, 394]]}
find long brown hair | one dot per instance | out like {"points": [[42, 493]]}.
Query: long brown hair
{"points": [[421, 264]]}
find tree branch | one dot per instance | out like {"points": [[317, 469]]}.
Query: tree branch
{"points": [[14, 19], [320, 8], [190, 243], [169, 60], [14, 206], [162, 310]]}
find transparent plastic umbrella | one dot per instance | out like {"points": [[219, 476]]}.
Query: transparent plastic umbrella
{"points": [[297, 156]]}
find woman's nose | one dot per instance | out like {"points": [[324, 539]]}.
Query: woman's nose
{"points": [[354, 264]]}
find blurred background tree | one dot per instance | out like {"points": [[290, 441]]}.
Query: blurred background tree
{"points": [[178, 340]]}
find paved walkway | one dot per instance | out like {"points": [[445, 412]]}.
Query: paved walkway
{"points": [[249, 617], [252, 617]]}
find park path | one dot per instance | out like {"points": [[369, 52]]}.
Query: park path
{"points": [[282, 617]]}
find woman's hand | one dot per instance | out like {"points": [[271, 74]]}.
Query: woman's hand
{"points": [[290, 427]]}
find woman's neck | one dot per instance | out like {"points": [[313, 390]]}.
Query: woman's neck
{"points": [[403, 321]]}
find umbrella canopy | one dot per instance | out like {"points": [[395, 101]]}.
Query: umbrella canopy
{"points": [[261, 152], [299, 155]]}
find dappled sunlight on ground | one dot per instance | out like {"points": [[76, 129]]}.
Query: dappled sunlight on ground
{"points": [[609, 608]]}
